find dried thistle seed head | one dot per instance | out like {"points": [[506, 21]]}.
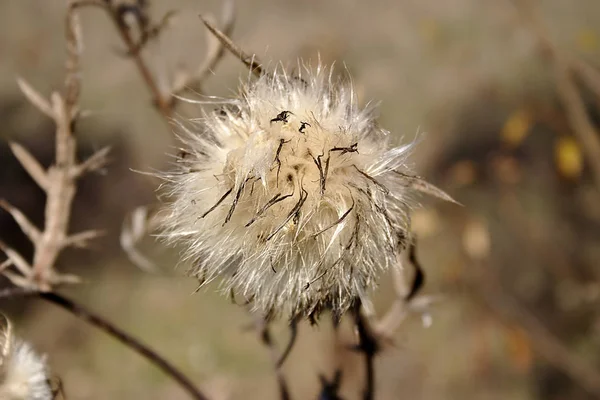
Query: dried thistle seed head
{"points": [[23, 374], [292, 194]]}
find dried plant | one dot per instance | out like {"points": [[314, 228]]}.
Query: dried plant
{"points": [[290, 191], [23, 373]]}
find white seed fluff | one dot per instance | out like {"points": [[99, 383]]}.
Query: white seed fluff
{"points": [[23, 373], [292, 194]]}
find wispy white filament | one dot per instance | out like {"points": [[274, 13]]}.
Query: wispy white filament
{"points": [[291, 193], [23, 373]]}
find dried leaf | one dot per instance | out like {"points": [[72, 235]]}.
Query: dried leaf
{"points": [[421, 185], [135, 228]]}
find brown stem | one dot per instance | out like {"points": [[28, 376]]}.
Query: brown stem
{"points": [[163, 104], [15, 291], [128, 340], [288, 349], [265, 336], [367, 344]]}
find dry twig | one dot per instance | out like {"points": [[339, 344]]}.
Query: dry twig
{"points": [[369, 346], [99, 322], [262, 327], [58, 181], [165, 101]]}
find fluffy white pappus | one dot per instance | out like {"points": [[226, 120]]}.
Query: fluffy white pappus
{"points": [[23, 373], [292, 194]]}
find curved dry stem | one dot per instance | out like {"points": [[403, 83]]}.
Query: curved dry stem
{"points": [[288, 349], [368, 345], [99, 322]]}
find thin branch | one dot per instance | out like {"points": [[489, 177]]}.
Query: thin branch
{"points": [[16, 259], [288, 349], [93, 163], [263, 329], [367, 344], [31, 165], [213, 56], [81, 239], [248, 60], [35, 98], [99, 322], [28, 228], [162, 102], [16, 291]]}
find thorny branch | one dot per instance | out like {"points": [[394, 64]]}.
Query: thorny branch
{"points": [[60, 184], [58, 181]]}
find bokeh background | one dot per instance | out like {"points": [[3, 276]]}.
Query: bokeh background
{"points": [[515, 269]]}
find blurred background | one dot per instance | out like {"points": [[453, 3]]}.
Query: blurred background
{"points": [[515, 269]]}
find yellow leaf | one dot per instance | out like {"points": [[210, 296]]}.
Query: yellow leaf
{"points": [[516, 128], [568, 157]]}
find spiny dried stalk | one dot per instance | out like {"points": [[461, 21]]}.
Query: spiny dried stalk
{"points": [[58, 181], [60, 184]]}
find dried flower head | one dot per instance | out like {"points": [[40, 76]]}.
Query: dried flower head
{"points": [[292, 193], [23, 374]]}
